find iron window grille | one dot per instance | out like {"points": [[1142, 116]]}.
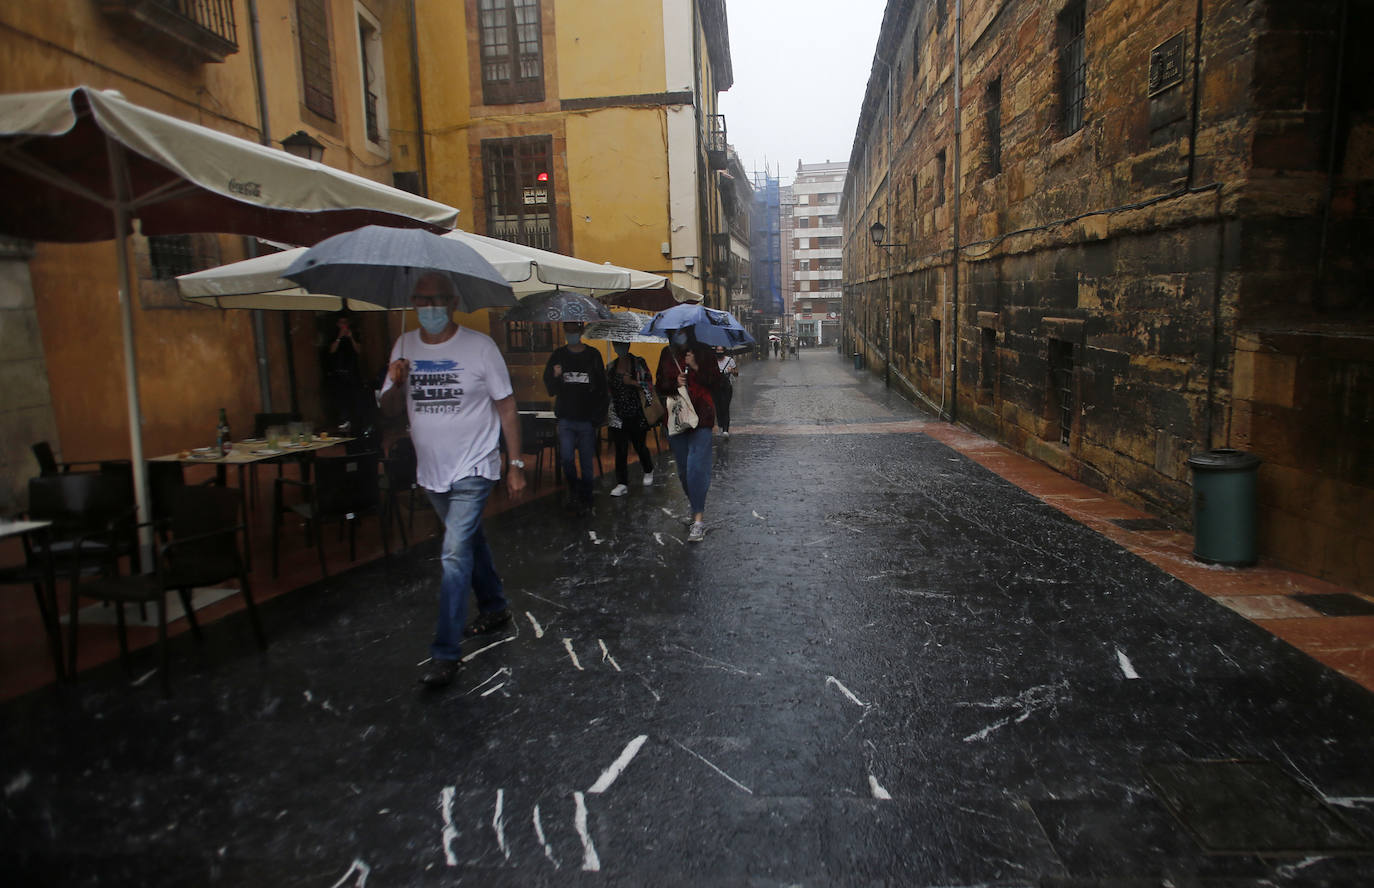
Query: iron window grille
{"points": [[940, 178], [366, 35], [1061, 385], [520, 206], [512, 51], [1073, 65], [170, 255], [527, 336], [317, 68]]}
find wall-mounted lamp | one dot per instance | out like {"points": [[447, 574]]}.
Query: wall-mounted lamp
{"points": [[301, 144]]}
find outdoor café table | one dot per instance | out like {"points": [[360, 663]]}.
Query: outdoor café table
{"points": [[244, 454], [9, 528]]}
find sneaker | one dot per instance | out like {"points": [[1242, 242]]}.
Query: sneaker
{"points": [[440, 673], [648, 479], [725, 434], [489, 622], [697, 533], [619, 490]]}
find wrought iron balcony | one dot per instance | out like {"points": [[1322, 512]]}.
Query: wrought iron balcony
{"points": [[717, 144], [374, 132], [205, 29]]}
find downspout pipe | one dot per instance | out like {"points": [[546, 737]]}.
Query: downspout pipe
{"points": [[958, 172], [265, 138], [421, 156]]}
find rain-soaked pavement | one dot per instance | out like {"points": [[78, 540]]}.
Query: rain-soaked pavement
{"points": [[884, 665]]}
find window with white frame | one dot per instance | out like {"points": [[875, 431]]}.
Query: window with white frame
{"points": [[373, 75]]}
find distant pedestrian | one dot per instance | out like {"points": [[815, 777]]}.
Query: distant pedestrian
{"points": [[453, 384], [724, 392], [684, 362], [576, 378], [630, 384], [777, 346]]}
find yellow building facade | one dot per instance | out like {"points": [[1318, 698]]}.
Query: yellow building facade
{"points": [[580, 126]]}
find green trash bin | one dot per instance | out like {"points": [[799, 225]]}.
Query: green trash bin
{"points": [[858, 360], [1224, 507]]}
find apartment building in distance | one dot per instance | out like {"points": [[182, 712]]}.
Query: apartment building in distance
{"points": [[817, 253]]}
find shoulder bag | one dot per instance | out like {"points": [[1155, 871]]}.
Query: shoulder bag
{"points": [[682, 416]]}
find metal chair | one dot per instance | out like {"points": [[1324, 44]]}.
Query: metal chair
{"points": [[398, 475], [204, 526], [48, 464], [536, 436], [344, 488]]}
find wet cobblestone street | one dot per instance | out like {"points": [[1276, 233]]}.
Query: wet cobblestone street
{"points": [[884, 665]]}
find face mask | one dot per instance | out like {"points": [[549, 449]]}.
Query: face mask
{"points": [[573, 338], [433, 318], [679, 338], [621, 348]]}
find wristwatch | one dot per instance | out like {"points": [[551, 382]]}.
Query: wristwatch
{"points": [[517, 463]]}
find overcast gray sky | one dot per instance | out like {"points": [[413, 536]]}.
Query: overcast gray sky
{"points": [[801, 67]]}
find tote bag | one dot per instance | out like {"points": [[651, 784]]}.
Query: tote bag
{"points": [[682, 416]]}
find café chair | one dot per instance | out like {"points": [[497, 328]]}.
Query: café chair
{"points": [[344, 489], [398, 476], [537, 436], [202, 530], [48, 464]]}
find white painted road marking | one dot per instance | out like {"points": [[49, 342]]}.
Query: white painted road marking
{"points": [[877, 789], [538, 630], [590, 862], [567, 643], [606, 655], [488, 647], [618, 766], [450, 831], [830, 679], [539, 833], [363, 871], [498, 823], [1126, 668]]}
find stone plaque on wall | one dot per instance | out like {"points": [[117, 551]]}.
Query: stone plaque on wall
{"points": [[1166, 64]]}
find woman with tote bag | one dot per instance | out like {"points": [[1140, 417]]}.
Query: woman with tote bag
{"points": [[687, 373]]}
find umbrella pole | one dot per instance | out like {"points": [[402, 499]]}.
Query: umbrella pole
{"points": [[126, 319]]}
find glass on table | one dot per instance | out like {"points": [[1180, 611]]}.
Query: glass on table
{"points": [[275, 434]]}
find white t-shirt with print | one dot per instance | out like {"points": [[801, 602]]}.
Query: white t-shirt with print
{"points": [[453, 388]]}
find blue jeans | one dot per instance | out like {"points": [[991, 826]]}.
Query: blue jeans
{"points": [[466, 560], [692, 453], [577, 441]]}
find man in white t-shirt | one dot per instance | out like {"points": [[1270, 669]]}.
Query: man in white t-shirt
{"points": [[454, 385]]}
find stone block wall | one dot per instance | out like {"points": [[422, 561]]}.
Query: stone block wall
{"points": [[1196, 252]]}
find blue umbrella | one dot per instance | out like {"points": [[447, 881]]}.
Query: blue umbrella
{"points": [[381, 265], [710, 326], [556, 306]]}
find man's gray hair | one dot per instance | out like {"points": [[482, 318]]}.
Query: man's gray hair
{"points": [[446, 285]]}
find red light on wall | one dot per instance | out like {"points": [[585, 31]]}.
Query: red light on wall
{"points": [[542, 177]]}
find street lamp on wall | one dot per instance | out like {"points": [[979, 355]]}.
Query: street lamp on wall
{"points": [[301, 144]]}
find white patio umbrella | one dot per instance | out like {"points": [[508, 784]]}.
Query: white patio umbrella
{"points": [[78, 165], [258, 282]]}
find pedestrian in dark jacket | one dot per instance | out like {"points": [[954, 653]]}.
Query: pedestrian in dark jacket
{"points": [[576, 378], [686, 362], [630, 383]]}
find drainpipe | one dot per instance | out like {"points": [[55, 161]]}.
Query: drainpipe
{"points": [[264, 137], [958, 167], [887, 251], [1332, 150], [419, 103]]}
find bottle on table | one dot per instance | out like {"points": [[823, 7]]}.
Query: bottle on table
{"points": [[223, 442]]}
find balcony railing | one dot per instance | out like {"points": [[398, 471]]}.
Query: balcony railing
{"points": [[204, 28], [716, 142]]}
